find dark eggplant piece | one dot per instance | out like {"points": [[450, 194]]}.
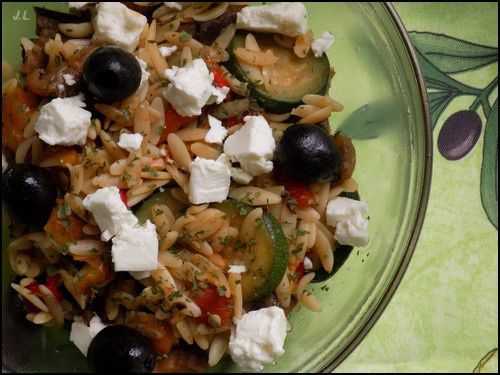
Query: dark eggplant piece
{"points": [[47, 21], [342, 252], [208, 31]]}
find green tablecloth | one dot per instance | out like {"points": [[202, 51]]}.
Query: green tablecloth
{"points": [[444, 316]]}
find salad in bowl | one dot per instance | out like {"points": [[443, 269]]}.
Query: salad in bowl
{"points": [[173, 182]]}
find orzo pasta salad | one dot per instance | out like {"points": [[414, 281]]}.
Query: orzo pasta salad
{"points": [[173, 182]]}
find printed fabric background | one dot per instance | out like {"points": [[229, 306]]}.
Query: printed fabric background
{"points": [[444, 316]]}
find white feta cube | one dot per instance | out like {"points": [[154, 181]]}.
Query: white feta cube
{"points": [[69, 79], [135, 248], [130, 142], [320, 45], [308, 265], [109, 211], [217, 132], [82, 335], [240, 176], [167, 51], [79, 5], [218, 94], [237, 268], [117, 24], [210, 180], [190, 87], [283, 18], [63, 121], [252, 146], [258, 338], [348, 216]]}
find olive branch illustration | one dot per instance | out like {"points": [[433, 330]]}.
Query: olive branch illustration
{"points": [[440, 57]]}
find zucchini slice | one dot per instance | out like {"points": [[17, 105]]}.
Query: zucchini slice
{"points": [[341, 253], [266, 258], [144, 212], [280, 87]]}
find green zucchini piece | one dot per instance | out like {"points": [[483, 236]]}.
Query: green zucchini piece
{"points": [[145, 213], [266, 258], [266, 262], [341, 254], [291, 77]]}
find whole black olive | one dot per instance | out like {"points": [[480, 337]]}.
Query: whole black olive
{"points": [[306, 153], [111, 74], [118, 349], [30, 193]]}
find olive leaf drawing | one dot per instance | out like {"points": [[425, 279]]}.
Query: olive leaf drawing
{"points": [[452, 55], [489, 169], [370, 120]]}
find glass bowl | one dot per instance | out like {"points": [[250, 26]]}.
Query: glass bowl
{"points": [[379, 82]]}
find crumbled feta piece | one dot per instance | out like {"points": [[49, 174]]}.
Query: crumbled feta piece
{"points": [[135, 248], [63, 121], [258, 338], [82, 335], [167, 51], [140, 275], [252, 146], [130, 142], [144, 72], [348, 216], [240, 176], [5, 164], [210, 180], [217, 132], [190, 87], [320, 45], [109, 211], [219, 94], [117, 24], [78, 5], [308, 265], [237, 268], [283, 18], [69, 79]]}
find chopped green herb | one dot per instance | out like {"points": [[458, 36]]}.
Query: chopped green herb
{"points": [[151, 171], [226, 240], [184, 37], [221, 290], [174, 295], [325, 288], [242, 208], [301, 232]]}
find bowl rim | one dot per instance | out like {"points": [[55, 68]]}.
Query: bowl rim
{"points": [[423, 200]]}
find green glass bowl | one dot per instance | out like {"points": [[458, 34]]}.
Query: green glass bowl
{"points": [[386, 112]]}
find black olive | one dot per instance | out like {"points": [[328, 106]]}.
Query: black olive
{"points": [[111, 74], [306, 153], [30, 193], [118, 349]]}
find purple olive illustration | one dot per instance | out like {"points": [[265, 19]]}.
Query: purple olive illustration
{"points": [[459, 134]]}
